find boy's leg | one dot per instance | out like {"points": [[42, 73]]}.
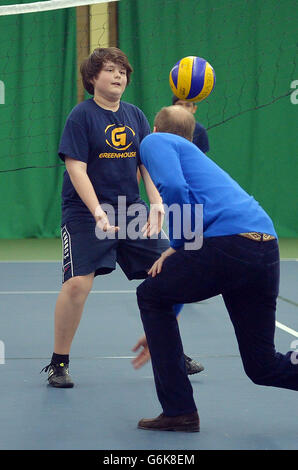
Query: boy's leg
{"points": [[69, 309], [84, 256], [68, 312]]}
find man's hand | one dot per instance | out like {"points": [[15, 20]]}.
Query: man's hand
{"points": [[155, 220], [144, 354], [157, 266]]}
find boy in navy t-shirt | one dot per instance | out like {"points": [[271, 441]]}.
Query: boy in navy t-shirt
{"points": [[100, 147]]}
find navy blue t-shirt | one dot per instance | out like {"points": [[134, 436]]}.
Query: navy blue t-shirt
{"points": [[108, 142], [200, 138]]}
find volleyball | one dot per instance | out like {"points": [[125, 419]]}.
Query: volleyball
{"points": [[192, 79]]}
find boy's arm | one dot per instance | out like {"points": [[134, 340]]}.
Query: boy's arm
{"points": [[77, 171], [152, 193], [156, 215], [138, 175]]}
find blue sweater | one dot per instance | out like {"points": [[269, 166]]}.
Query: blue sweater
{"points": [[185, 175]]}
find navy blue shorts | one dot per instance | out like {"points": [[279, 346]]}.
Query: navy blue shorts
{"points": [[84, 253]]}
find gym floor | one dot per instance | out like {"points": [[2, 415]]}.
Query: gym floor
{"points": [[109, 397]]}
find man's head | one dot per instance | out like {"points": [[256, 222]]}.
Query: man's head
{"points": [[175, 120], [91, 67], [189, 105]]}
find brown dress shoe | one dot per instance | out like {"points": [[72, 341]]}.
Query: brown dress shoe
{"points": [[186, 423]]}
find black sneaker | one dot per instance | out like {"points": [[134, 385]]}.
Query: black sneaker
{"points": [[58, 375], [192, 367]]}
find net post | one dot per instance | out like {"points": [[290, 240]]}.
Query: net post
{"points": [[83, 44], [113, 16]]}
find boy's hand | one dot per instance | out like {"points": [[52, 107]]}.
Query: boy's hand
{"points": [[102, 221], [155, 220]]}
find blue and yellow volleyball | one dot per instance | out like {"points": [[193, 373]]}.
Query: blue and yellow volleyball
{"points": [[192, 79]]}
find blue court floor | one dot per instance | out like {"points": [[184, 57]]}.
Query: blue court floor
{"points": [[109, 397]]}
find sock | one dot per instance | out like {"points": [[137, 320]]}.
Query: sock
{"points": [[59, 358]]}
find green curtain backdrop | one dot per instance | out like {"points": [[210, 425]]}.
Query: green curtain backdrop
{"points": [[38, 71], [252, 47]]}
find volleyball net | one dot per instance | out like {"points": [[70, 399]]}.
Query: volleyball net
{"points": [[251, 112], [42, 45]]}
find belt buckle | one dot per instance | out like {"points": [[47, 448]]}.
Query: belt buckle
{"points": [[258, 237], [266, 237], [252, 236]]}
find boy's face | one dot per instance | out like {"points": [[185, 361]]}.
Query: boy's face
{"points": [[189, 105], [111, 81]]}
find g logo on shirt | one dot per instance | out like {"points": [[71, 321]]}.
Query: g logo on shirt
{"points": [[119, 138]]}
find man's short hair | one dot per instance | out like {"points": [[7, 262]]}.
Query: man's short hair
{"points": [[175, 120], [94, 63]]}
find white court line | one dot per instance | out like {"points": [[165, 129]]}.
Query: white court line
{"points": [[288, 259], [15, 261], [37, 292], [115, 357], [287, 329]]}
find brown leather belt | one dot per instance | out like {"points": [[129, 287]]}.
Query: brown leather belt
{"points": [[258, 237]]}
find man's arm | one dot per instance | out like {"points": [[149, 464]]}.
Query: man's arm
{"points": [[162, 162]]}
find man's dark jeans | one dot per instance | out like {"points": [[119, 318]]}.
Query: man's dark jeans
{"points": [[246, 273]]}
